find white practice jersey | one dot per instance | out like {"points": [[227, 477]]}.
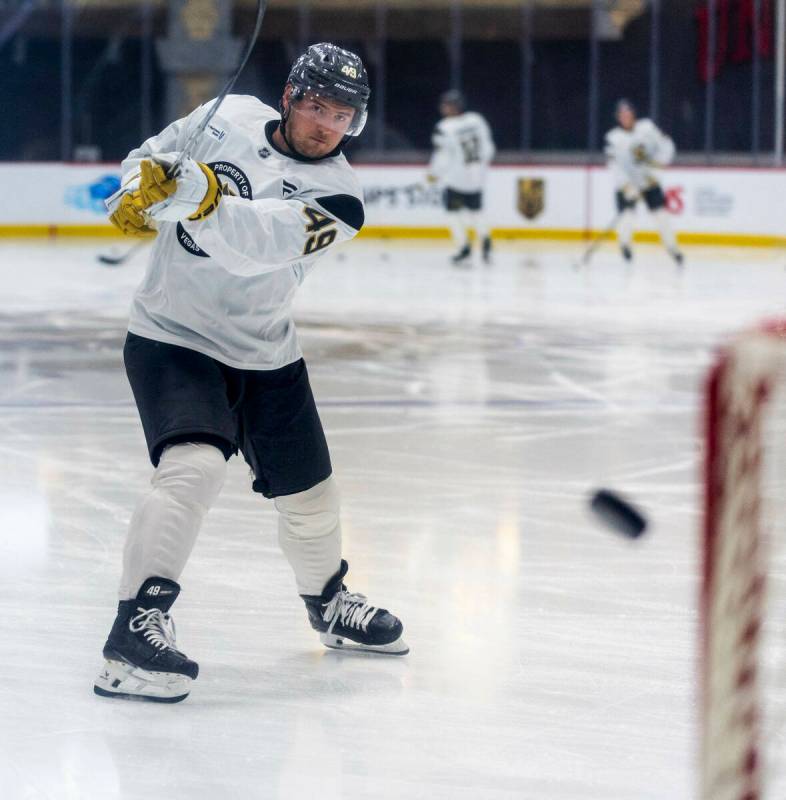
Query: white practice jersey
{"points": [[224, 285], [635, 155], [463, 150]]}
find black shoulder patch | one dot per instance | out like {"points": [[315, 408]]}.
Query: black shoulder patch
{"points": [[346, 208]]}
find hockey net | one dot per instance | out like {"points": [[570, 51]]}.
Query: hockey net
{"points": [[743, 636]]}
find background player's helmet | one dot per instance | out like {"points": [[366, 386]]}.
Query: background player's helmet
{"points": [[329, 71], [624, 103], [455, 98]]}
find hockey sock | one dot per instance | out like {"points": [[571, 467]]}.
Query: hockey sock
{"points": [[478, 221], [666, 231], [457, 229], [467, 218], [165, 524], [625, 229], [309, 532]]}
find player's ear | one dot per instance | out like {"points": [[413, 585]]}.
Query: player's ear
{"points": [[285, 98], [285, 103]]}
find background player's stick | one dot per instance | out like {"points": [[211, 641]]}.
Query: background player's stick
{"points": [[115, 259], [172, 172], [598, 240]]}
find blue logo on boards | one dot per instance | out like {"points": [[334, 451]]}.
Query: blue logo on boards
{"points": [[91, 196]]}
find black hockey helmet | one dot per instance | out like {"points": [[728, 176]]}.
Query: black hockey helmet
{"points": [[329, 71], [455, 98]]}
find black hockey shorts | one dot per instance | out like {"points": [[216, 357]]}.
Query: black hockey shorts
{"points": [[455, 201], [653, 197], [269, 415]]}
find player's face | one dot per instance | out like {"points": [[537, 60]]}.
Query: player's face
{"points": [[626, 118], [317, 125]]}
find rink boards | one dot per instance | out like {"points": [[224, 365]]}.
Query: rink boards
{"points": [[710, 206]]}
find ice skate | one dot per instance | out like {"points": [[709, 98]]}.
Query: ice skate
{"points": [[486, 250], [142, 660], [346, 621], [627, 253], [461, 258]]}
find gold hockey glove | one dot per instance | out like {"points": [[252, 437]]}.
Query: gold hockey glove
{"points": [[212, 196], [128, 217], [194, 194], [154, 186]]}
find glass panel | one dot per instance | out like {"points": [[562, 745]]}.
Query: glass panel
{"points": [[560, 95], [107, 105], [30, 131], [418, 73], [492, 85]]}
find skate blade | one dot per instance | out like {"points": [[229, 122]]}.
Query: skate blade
{"points": [[126, 682], [397, 648]]}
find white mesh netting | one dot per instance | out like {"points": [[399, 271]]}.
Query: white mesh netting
{"points": [[743, 667]]}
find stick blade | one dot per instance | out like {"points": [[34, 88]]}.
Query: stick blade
{"points": [[112, 261], [116, 256]]}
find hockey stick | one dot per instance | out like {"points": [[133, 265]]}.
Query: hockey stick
{"points": [[112, 260], [172, 172], [186, 151], [598, 240]]}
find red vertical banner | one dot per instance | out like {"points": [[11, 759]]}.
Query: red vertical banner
{"points": [[767, 29], [743, 41], [739, 15], [722, 14]]}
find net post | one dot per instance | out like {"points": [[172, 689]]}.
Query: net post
{"points": [[732, 597]]}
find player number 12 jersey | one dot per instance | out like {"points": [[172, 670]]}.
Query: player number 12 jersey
{"points": [[463, 149]]}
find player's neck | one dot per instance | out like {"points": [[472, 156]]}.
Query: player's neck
{"points": [[280, 142]]}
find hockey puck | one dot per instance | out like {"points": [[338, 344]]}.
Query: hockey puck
{"points": [[618, 514]]}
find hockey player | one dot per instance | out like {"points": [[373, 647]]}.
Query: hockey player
{"points": [[635, 150], [213, 359], [463, 150]]}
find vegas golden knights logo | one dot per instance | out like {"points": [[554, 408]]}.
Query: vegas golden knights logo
{"points": [[532, 195]]}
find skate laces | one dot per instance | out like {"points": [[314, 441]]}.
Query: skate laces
{"points": [[156, 626], [350, 609]]}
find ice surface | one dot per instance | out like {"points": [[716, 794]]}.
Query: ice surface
{"points": [[469, 414]]}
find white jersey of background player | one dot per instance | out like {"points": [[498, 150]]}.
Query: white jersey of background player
{"points": [[463, 150], [214, 364], [635, 150]]}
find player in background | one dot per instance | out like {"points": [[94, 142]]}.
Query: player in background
{"points": [[635, 150], [463, 150], [214, 363]]}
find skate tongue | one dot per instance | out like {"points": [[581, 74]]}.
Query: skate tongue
{"points": [[158, 593], [335, 584]]}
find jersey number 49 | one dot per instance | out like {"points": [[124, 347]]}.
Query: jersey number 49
{"points": [[319, 226]]}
